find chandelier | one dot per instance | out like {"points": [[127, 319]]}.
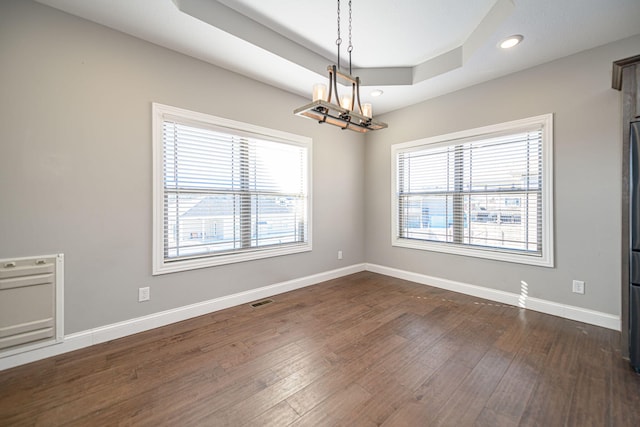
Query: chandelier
{"points": [[345, 112]]}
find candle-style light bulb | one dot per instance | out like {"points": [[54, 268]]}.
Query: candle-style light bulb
{"points": [[345, 101], [319, 92], [367, 110]]}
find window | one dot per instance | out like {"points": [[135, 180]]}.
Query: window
{"points": [[484, 192], [226, 191]]}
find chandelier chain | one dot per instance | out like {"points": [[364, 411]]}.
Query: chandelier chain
{"points": [[339, 39], [350, 48], [350, 44]]}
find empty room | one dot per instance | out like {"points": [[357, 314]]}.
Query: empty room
{"points": [[331, 213]]}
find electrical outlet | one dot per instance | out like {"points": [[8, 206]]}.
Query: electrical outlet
{"points": [[578, 286], [144, 294], [339, 254]]}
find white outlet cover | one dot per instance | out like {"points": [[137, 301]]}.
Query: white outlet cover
{"points": [[578, 286]]}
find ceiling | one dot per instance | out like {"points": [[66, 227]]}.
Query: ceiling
{"points": [[412, 50]]}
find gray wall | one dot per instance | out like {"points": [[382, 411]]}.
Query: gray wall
{"points": [[587, 167], [75, 168], [75, 164]]}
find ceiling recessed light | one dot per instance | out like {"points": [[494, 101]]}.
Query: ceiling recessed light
{"points": [[511, 41], [377, 92]]}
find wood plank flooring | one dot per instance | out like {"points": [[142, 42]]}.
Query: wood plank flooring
{"points": [[362, 350]]}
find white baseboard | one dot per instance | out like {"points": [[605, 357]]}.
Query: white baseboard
{"points": [[598, 318], [121, 329]]}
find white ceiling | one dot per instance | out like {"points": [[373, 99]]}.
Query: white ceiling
{"points": [[411, 49]]}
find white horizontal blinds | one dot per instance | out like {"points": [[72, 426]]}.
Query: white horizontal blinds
{"points": [[483, 192], [226, 192], [277, 178]]}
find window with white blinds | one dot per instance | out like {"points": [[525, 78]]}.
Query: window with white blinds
{"points": [[484, 192], [226, 191]]}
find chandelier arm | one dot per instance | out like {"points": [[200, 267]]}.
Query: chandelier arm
{"points": [[331, 70], [353, 95], [357, 85], [333, 77]]}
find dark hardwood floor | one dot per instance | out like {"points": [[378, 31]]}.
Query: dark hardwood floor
{"points": [[362, 350]]}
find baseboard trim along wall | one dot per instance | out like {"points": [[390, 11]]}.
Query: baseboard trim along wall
{"points": [[121, 329], [584, 315], [105, 333]]}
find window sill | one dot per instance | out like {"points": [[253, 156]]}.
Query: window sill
{"points": [[164, 267], [496, 254]]}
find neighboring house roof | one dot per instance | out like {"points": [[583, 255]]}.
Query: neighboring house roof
{"points": [[223, 205]]}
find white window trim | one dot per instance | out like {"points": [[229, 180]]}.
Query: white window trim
{"points": [[547, 257], [159, 265]]}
